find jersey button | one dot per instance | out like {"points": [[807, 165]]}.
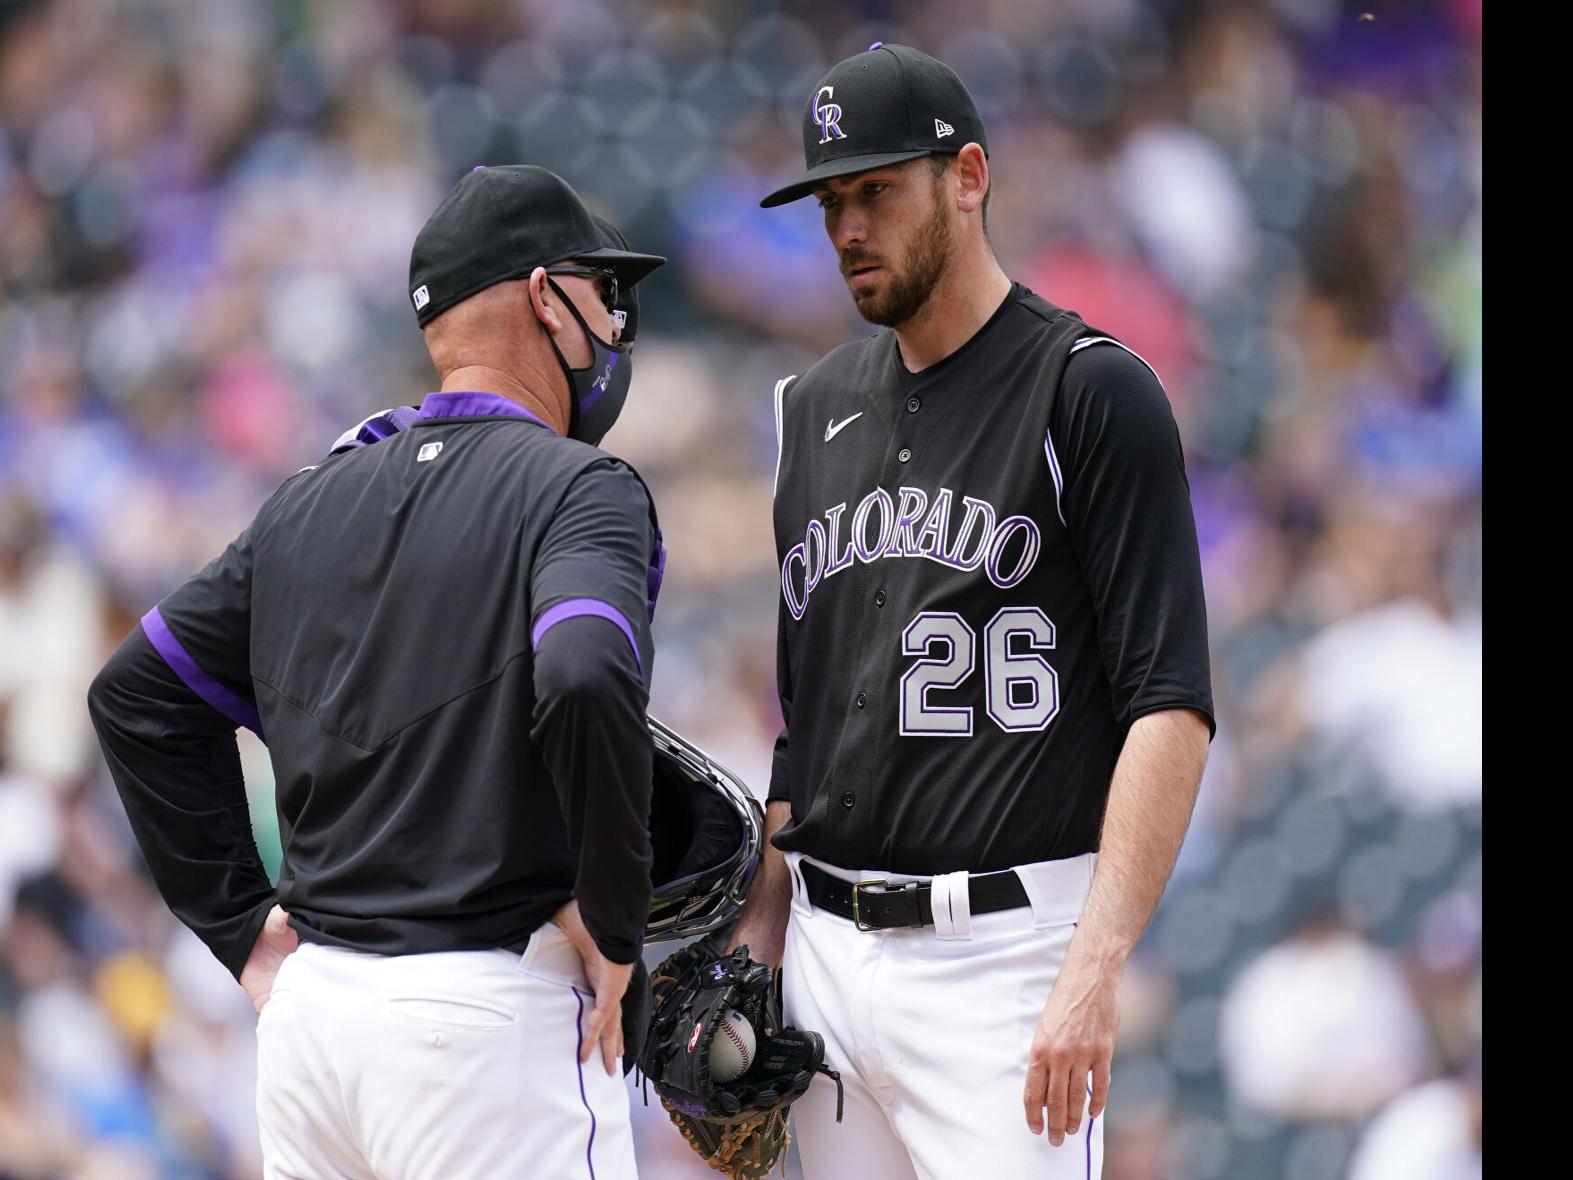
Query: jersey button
{"points": [[905, 454], [914, 404], [848, 799], [879, 598], [862, 700]]}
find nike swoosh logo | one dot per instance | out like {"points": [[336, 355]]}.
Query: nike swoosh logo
{"points": [[833, 428]]}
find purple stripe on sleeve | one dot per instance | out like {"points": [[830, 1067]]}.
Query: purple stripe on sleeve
{"points": [[588, 1147], [210, 690], [577, 607]]}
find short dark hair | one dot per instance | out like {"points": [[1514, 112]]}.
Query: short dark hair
{"points": [[939, 161]]}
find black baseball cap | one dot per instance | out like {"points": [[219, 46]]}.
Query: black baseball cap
{"points": [[884, 106], [501, 223]]}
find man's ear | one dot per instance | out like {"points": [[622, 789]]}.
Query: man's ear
{"points": [[543, 301], [972, 178]]}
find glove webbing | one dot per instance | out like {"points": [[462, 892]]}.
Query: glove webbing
{"points": [[722, 1144]]}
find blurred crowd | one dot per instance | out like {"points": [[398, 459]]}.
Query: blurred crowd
{"points": [[206, 209]]}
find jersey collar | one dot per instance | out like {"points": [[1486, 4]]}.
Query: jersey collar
{"points": [[471, 404], [910, 380]]}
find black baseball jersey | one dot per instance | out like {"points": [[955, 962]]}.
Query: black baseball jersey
{"points": [[444, 640], [989, 570]]}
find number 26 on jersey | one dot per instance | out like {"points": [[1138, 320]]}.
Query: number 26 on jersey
{"points": [[1021, 690]]}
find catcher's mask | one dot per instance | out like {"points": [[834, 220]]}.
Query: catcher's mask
{"points": [[705, 833]]}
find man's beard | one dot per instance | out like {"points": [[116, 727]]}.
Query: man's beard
{"points": [[904, 293]]}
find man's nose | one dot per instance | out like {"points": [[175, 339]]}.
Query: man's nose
{"points": [[847, 229]]}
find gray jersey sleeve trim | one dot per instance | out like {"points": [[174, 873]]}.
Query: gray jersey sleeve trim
{"points": [[1048, 442], [780, 431], [1058, 476], [1090, 340]]}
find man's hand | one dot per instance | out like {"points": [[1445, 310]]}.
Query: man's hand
{"points": [[1150, 800], [762, 924], [275, 944], [608, 980], [1075, 1035]]}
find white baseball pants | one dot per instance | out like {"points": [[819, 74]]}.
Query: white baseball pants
{"points": [[931, 1029], [461, 1065]]}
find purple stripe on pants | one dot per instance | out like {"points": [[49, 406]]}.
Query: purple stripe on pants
{"points": [[210, 690], [1090, 1123], [588, 1162]]}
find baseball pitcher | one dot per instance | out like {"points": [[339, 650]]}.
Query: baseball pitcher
{"points": [[992, 663]]}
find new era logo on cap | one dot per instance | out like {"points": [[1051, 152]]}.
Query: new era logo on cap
{"points": [[421, 296], [942, 129]]}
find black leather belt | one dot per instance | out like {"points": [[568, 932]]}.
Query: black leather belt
{"points": [[879, 905]]}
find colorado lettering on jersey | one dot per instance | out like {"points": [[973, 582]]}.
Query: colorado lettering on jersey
{"points": [[909, 524]]}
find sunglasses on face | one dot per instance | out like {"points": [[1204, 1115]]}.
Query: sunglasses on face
{"points": [[607, 288]]}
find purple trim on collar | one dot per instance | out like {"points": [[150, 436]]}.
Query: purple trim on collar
{"points": [[180, 662], [577, 607], [470, 404]]}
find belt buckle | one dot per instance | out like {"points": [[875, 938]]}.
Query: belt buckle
{"points": [[858, 887]]}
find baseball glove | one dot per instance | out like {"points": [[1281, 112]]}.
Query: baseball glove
{"points": [[739, 1127]]}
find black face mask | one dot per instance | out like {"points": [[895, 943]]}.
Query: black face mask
{"points": [[596, 392]]}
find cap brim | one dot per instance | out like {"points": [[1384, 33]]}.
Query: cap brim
{"points": [[628, 266], [831, 169]]}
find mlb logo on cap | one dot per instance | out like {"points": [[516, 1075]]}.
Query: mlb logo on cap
{"points": [[421, 296]]}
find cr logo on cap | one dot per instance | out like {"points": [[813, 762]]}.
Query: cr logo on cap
{"points": [[828, 115]]}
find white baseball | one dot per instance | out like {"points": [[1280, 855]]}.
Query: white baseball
{"points": [[732, 1051]]}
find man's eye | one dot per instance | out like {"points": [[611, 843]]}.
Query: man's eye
{"points": [[826, 200], [874, 188]]}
